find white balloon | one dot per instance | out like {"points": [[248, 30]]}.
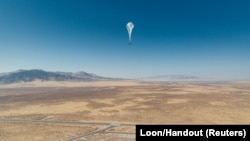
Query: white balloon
{"points": [[130, 27]]}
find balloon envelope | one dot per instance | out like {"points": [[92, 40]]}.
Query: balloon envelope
{"points": [[130, 27]]}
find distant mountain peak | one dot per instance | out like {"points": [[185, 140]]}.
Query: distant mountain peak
{"points": [[22, 75]]}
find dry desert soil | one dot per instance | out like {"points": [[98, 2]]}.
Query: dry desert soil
{"points": [[123, 102]]}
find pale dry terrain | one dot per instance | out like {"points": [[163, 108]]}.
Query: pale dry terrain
{"points": [[119, 102], [40, 132]]}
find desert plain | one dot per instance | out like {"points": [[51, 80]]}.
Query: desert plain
{"points": [[109, 110]]}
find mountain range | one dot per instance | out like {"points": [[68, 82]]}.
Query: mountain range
{"points": [[36, 74]]}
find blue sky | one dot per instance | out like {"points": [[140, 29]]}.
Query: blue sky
{"points": [[205, 38]]}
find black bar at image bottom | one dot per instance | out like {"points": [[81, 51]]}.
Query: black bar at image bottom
{"points": [[192, 132]]}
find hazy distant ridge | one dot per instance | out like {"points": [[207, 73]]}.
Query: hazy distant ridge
{"points": [[32, 75], [172, 78]]}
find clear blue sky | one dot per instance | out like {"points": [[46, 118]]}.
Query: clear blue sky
{"points": [[206, 38]]}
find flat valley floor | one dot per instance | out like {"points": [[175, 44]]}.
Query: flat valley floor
{"points": [[124, 103]]}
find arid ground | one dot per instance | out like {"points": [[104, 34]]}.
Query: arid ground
{"points": [[123, 102]]}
